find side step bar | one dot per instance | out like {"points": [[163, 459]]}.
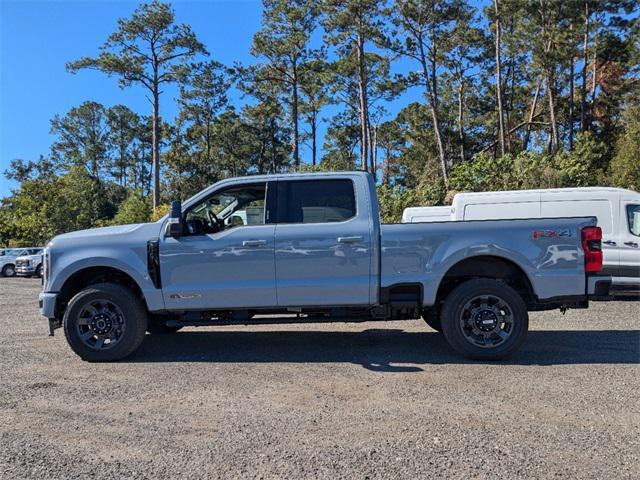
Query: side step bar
{"points": [[270, 321]]}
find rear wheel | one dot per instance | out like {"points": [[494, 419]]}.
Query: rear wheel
{"points": [[105, 322], [484, 319], [9, 270]]}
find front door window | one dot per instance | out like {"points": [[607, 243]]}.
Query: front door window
{"points": [[233, 207]]}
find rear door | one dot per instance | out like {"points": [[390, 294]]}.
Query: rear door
{"points": [[630, 239], [322, 243]]}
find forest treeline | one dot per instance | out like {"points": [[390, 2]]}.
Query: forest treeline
{"points": [[510, 94]]}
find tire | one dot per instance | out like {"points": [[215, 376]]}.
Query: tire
{"points": [[484, 319], [38, 271], [9, 270], [432, 318], [157, 325], [102, 312]]}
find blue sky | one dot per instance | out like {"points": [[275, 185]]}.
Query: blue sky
{"points": [[37, 38]]}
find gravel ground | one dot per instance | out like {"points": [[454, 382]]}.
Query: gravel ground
{"points": [[371, 400]]}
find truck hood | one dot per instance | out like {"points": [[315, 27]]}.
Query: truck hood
{"points": [[118, 233]]}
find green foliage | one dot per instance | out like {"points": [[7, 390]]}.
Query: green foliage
{"points": [[81, 138], [393, 200], [135, 209], [625, 166], [159, 212], [584, 166], [41, 209], [147, 42]]}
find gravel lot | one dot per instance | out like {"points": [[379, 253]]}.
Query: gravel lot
{"points": [[371, 400]]}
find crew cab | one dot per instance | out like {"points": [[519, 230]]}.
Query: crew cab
{"points": [[311, 248]]}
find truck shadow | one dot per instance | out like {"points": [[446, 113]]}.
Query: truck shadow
{"points": [[391, 350]]}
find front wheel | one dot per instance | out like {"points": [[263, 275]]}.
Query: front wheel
{"points": [[484, 319], [38, 271], [105, 322], [9, 271]]}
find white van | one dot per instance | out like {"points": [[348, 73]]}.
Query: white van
{"points": [[426, 214], [617, 210]]}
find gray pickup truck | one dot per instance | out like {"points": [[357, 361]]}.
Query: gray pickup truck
{"points": [[311, 248]]}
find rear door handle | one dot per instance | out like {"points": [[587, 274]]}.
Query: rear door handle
{"points": [[631, 244], [609, 242], [254, 243], [354, 239]]}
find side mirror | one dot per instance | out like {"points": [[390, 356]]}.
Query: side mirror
{"points": [[174, 225]]}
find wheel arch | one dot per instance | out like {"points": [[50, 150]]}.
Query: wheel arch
{"points": [[87, 276], [487, 266]]}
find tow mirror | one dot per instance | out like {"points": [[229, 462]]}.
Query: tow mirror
{"points": [[174, 225]]}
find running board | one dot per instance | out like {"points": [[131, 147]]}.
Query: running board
{"points": [[271, 321]]}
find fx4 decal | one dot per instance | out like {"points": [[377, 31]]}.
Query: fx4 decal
{"points": [[551, 233]]}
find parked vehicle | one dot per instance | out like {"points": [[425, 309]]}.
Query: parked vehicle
{"points": [[617, 211], [426, 214], [8, 257], [317, 251], [30, 265]]}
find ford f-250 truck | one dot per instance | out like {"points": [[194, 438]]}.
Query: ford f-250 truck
{"points": [[311, 248]]}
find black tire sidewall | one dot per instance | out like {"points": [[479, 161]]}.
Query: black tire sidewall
{"points": [[452, 310], [39, 271], [433, 319], [133, 311]]}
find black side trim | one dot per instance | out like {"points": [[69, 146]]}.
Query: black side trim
{"points": [[570, 301], [629, 271], [621, 271], [153, 262]]}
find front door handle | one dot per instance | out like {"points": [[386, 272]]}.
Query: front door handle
{"points": [[609, 242], [631, 244], [254, 243], [354, 239]]}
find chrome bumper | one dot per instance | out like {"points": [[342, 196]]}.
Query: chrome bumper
{"points": [[25, 270]]}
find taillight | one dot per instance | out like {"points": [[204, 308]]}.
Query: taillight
{"points": [[592, 246]]}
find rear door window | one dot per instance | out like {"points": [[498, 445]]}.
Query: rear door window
{"points": [[316, 201], [633, 219]]}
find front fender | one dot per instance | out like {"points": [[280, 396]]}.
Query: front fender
{"points": [[133, 266]]}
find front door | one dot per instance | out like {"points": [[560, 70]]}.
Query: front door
{"points": [[225, 259], [323, 244]]}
